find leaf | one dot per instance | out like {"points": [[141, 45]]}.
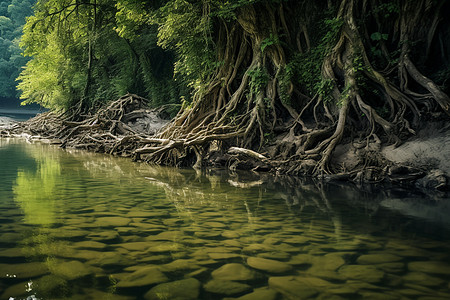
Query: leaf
{"points": [[376, 36]]}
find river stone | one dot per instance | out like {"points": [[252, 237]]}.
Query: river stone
{"points": [[234, 272], [277, 255], [96, 294], [423, 279], [208, 234], [268, 265], [378, 296], [223, 255], [259, 294], [165, 247], [365, 273], [135, 246], [112, 221], [51, 286], [160, 258], [399, 248], [16, 290], [301, 259], [111, 259], [166, 236], [89, 245], [434, 267], [231, 243], [226, 287], [252, 248], [83, 255], [286, 248], [298, 240], [147, 214], [229, 234], [186, 289], [25, 270], [68, 233], [70, 270], [202, 272], [179, 265], [394, 267], [371, 259], [105, 236], [271, 241], [214, 225], [10, 254], [146, 276], [291, 288], [328, 262]]}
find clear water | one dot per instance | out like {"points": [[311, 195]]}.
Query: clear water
{"points": [[18, 114], [77, 225]]}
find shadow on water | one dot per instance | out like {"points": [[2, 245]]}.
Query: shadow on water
{"points": [[76, 224]]}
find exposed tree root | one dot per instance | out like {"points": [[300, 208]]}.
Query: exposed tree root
{"points": [[247, 103]]}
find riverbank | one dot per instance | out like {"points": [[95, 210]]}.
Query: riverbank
{"points": [[126, 127]]}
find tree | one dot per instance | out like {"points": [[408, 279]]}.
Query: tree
{"points": [[12, 19], [79, 60], [320, 71], [292, 78]]}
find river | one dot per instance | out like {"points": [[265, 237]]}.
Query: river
{"points": [[77, 225]]}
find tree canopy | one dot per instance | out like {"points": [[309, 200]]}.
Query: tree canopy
{"points": [[12, 19]]}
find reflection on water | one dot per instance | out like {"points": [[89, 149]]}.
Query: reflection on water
{"points": [[35, 190], [76, 225]]}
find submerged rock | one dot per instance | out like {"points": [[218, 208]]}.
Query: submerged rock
{"points": [[51, 286], [433, 267], [226, 287], [112, 222], [259, 294], [70, 270], [291, 288], [268, 265], [234, 272], [365, 273], [146, 276], [423, 279], [24, 271], [370, 259], [186, 289]]}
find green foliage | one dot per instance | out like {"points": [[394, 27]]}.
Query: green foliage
{"points": [[306, 67], [386, 10], [94, 52], [227, 9], [258, 80], [12, 19], [269, 41], [284, 82]]}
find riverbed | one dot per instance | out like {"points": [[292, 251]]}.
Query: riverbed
{"points": [[77, 225]]}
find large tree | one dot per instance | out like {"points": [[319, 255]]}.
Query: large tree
{"points": [[292, 78], [311, 73]]}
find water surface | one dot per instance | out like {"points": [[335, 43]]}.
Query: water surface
{"points": [[77, 225]]}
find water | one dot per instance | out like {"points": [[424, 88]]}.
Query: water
{"points": [[18, 114], [76, 225]]}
